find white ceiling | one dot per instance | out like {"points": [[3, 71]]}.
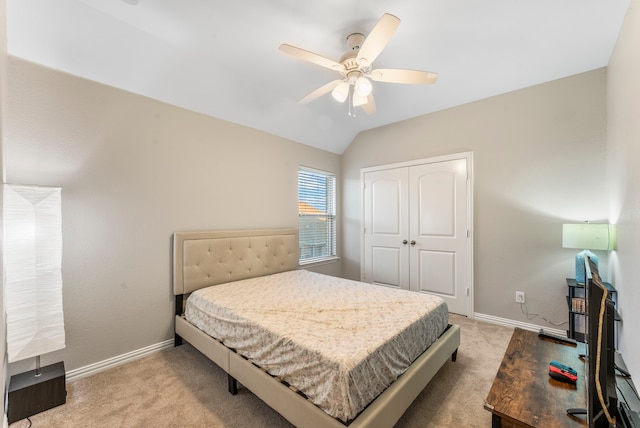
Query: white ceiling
{"points": [[221, 58]]}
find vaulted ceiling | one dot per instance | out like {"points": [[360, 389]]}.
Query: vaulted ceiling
{"points": [[221, 58]]}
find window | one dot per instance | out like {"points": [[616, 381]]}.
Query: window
{"points": [[316, 215]]}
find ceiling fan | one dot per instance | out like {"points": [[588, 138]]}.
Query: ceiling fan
{"points": [[355, 67]]}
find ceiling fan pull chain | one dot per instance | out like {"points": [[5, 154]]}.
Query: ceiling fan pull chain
{"points": [[352, 108]]}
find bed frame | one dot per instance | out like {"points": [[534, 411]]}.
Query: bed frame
{"points": [[202, 259]]}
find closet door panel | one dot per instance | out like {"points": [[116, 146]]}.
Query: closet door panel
{"points": [[436, 214], [386, 197], [386, 228], [386, 268], [437, 269], [438, 226]]}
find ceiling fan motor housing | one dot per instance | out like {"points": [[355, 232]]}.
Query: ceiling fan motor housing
{"points": [[355, 41]]}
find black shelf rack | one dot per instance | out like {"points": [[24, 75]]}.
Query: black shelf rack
{"points": [[577, 290]]}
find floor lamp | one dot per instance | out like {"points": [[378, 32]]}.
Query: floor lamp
{"points": [[32, 219]]}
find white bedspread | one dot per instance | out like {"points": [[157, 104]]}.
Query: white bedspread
{"points": [[338, 341]]}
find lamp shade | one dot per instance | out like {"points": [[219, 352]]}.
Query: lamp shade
{"points": [[363, 86], [33, 270], [589, 236], [341, 92], [359, 100]]}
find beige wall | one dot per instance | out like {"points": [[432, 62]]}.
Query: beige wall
{"points": [[3, 93], [133, 171], [623, 137], [531, 149]]}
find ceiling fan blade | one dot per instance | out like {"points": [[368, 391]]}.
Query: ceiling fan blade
{"points": [[377, 39], [320, 91], [370, 106], [311, 57], [396, 75]]}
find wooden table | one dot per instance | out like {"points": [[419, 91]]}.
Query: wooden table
{"points": [[524, 395]]}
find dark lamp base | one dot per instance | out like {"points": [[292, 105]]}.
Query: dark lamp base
{"points": [[29, 394]]}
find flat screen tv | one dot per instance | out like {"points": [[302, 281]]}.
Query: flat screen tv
{"points": [[602, 401]]}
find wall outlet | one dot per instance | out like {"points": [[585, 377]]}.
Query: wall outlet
{"points": [[519, 296]]}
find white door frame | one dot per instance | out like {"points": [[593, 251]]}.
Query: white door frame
{"points": [[470, 191]]}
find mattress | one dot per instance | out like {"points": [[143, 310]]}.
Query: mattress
{"points": [[339, 342]]}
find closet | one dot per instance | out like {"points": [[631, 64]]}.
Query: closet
{"points": [[416, 228]]}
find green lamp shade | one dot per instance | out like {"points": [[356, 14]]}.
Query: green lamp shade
{"points": [[588, 236]]}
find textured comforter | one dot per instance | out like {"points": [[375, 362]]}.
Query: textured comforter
{"points": [[340, 342]]}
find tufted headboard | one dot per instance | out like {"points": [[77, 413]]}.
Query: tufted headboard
{"points": [[201, 259]]}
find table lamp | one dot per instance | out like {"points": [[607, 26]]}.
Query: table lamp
{"points": [[32, 219], [588, 236]]}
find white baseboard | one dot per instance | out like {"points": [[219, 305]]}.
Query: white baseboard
{"points": [[511, 323], [116, 361]]}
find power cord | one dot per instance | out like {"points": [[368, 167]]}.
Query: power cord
{"points": [[525, 311], [622, 371], [605, 409]]}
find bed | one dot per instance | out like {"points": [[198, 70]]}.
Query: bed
{"points": [[251, 262]]}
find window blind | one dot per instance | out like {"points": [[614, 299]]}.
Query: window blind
{"points": [[316, 215]]}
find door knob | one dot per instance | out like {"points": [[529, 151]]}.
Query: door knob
{"points": [[404, 241], [413, 242]]}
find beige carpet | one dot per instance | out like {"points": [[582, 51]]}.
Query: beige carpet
{"points": [[179, 387]]}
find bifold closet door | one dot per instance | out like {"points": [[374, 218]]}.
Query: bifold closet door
{"points": [[438, 226], [386, 224]]}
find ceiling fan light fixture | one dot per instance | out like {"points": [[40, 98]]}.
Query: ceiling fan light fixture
{"points": [[359, 100], [363, 86], [341, 92]]}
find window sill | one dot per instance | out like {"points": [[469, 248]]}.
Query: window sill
{"points": [[318, 262]]}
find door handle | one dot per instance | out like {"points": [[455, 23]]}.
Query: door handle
{"points": [[404, 241], [413, 242]]}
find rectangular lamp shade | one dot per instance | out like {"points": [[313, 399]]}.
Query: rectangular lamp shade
{"points": [[589, 236], [33, 270]]}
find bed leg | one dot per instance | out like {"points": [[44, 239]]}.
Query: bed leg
{"points": [[454, 355], [179, 299], [233, 385]]}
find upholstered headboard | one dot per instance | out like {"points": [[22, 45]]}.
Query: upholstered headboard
{"points": [[201, 259]]}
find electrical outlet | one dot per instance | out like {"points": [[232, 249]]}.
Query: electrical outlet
{"points": [[519, 296]]}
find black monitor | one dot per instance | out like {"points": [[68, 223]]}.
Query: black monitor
{"points": [[602, 401]]}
